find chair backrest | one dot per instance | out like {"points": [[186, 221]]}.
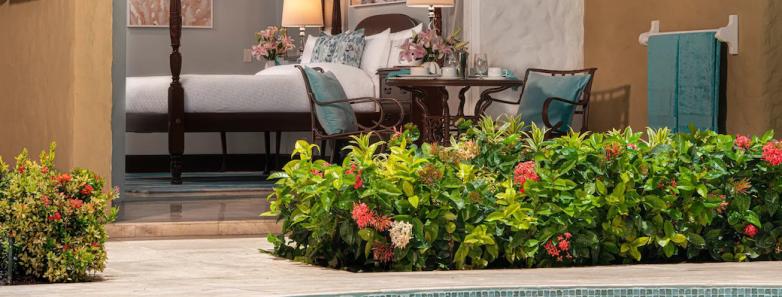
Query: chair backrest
{"points": [[317, 130], [583, 101]]}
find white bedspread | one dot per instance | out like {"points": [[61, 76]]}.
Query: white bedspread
{"points": [[277, 89]]}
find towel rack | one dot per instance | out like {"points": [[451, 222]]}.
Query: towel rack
{"points": [[728, 34]]}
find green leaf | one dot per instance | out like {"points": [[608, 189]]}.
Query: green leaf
{"points": [[696, 240], [669, 250], [407, 187], [413, 201], [702, 190], [679, 239], [366, 234], [752, 218], [601, 187]]}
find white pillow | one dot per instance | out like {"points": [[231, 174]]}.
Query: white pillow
{"points": [[397, 39], [309, 46], [375, 52]]}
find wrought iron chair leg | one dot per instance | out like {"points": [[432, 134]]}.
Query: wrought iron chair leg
{"points": [[267, 152]]}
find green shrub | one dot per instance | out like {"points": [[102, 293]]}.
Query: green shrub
{"points": [[503, 197], [56, 219]]}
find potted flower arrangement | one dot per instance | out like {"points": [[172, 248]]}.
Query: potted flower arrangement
{"points": [[272, 43], [429, 47]]}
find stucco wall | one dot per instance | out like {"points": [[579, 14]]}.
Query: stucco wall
{"points": [[519, 34], [55, 80], [753, 81]]}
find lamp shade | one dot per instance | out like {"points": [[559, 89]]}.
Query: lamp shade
{"points": [[302, 13], [428, 3]]}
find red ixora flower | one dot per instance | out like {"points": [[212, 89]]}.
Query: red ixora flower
{"points": [[382, 252], [45, 200], [316, 172], [86, 190], [20, 169], [612, 151], [523, 172], [63, 178], [750, 230], [55, 217], [742, 142], [76, 203], [772, 152], [44, 169], [362, 215], [381, 223], [95, 244], [352, 169], [359, 181]]}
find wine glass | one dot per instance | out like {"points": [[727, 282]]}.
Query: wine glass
{"points": [[481, 64]]}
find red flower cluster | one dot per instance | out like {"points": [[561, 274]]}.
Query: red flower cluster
{"points": [[316, 172], [76, 203], [612, 151], [382, 252], [55, 217], [523, 172], [750, 230], [561, 249], [632, 146], [365, 217], [362, 215], [45, 200], [44, 169], [742, 142], [63, 178], [772, 153], [86, 190], [359, 181], [20, 169]]}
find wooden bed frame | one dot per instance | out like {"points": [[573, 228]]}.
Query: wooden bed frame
{"points": [[176, 122]]}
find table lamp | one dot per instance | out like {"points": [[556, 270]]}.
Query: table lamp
{"points": [[430, 4], [302, 13]]}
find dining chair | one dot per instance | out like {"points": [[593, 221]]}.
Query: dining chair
{"points": [[550, 96], [331, 112]]}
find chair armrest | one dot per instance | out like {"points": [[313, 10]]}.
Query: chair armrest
{"points": [[377, 124], [547, 103], [486, 100]]}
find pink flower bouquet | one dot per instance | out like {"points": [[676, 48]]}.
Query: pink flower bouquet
{"points": [[272, 43], [429, 46]]}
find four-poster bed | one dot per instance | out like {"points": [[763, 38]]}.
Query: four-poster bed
{"points": [[176, 121]]}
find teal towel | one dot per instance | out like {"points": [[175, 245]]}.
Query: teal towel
{"points": [[684, 81], [507, 73], [398, 73]]}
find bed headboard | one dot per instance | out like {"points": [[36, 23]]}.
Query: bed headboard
{"points": [[379, 23]]}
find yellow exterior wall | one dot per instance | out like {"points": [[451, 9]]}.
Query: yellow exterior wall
{"points": [[55, 80], [754, 83]]}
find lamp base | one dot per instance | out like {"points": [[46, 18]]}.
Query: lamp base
{"points": [[302, 41]]}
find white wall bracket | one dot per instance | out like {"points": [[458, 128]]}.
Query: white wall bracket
{"points": [[728, 34]]}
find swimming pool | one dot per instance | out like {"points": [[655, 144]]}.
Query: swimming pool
{"points": [[585, 292]]}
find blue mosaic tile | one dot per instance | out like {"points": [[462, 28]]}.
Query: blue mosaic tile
{"points": [[586, 292]]}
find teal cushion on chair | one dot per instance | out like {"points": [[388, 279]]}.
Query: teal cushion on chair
{"points": [[540, 87], [334, 118]]}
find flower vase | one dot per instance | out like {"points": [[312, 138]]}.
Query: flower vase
{"points": [[271, 63], [432, 67]]}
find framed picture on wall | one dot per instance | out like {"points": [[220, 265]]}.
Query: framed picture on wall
{"points": [[359, 3], [154, 13]]}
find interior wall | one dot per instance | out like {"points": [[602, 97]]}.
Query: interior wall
{"points": [[217, 50], [754, 85], [55, 81], [521, 34]]}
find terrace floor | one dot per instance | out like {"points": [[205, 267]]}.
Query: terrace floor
{"points": [[234, 267]]}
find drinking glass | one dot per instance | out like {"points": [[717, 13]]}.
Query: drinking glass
{"points": [[451, 60], [481, 64]]}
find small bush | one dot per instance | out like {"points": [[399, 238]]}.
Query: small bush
{"points": [[502, 196], [56, 219]]}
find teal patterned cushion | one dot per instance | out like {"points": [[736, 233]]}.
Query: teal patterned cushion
{"points": [[334, 118], [349, 48], [540, 87], [324, 48]]}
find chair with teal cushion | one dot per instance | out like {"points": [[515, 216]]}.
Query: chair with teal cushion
{"points": [[551, 98], [331, 112]]}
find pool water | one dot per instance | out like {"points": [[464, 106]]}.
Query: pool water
{"points": [[585, 292]]}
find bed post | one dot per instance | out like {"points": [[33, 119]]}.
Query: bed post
{"points": [[176, 96]]}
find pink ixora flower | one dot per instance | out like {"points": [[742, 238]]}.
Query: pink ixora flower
{"points": [[772, 152], [362, 215], [523, 172], [742, 142]]}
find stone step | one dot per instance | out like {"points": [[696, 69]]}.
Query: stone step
{"points": [[169, 230]]}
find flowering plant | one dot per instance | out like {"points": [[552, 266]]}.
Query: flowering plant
{"points": [[430, 46], [504, 196], [272, 43], [55, 218]]}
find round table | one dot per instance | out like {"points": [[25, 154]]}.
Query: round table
{"points": [[431, 112]]}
